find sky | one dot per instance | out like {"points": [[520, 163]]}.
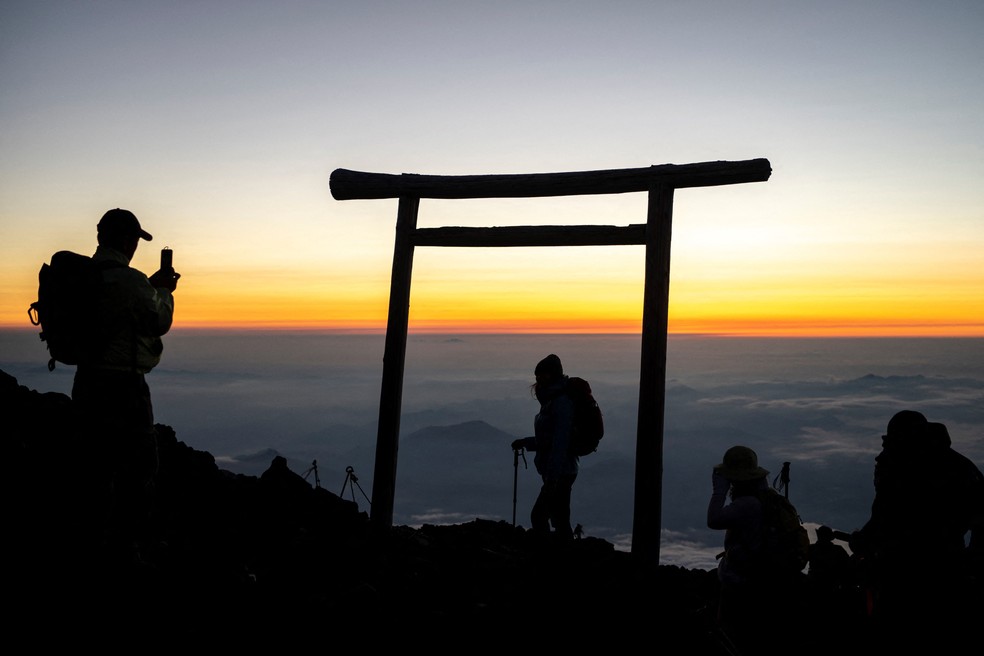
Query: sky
{"points": [[219, 123]]}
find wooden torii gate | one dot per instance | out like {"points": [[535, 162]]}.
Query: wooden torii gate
{"points": [[659, 181]]}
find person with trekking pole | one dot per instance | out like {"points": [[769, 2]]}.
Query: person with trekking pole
{"points": [[517, 453], [554, 461]]}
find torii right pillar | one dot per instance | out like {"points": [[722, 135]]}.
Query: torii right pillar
{"points": [[647, 509]]}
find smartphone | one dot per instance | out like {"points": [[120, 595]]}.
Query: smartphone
{"points": [[166, 259]]}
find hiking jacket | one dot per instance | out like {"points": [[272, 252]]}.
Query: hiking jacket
{"points": [[741, 520], [132, 314], [552, 434], [927, 498]]}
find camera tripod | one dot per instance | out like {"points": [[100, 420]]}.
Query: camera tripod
{"points": [[313, 469], [352, 482]]}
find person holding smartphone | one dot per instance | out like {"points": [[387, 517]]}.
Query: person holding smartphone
{"points": [[110, 393]]}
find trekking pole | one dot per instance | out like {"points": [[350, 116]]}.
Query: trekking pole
{"points": [[516, 454], [515, 481], [781, 481]]}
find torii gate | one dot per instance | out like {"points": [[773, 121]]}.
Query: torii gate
{"points": [[660, 181]]}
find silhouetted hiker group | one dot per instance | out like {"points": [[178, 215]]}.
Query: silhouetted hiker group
{"points": [[914, 576], [916, 568], [922, 550], [111, 395]]}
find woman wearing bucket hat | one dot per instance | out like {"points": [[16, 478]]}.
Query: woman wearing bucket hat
{"points": [[738, 473], [742, 589]]}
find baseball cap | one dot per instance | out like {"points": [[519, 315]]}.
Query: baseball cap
{"points": [[122, 222]]}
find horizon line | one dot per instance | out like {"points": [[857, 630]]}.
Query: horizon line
{"points": [[381, 331]]}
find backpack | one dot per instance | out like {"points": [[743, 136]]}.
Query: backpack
{"points": [[68, 292], [786, 542], [588, 426]]}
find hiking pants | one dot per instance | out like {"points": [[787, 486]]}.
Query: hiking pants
{"points": [[120, 454], [553, 507]]}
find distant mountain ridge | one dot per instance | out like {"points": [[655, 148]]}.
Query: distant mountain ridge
{"points": [[475, 432]]}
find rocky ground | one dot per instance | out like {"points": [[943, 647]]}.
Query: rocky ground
{"points": [[240, 560]]}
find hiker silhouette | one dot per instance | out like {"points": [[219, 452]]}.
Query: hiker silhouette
{"points": [[110, 394], [835, 591], [754, 606], [830, 563], [922, 572], [556, 465]]}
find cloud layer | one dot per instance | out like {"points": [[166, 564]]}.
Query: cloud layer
{"points": [[821, 405]]}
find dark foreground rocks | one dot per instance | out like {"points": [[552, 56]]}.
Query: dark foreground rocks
{"points": [[242, 561]]}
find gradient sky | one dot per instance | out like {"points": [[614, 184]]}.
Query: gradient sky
{"points": [[219, 124]]}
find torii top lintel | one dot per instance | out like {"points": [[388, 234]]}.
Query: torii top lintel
{"points": [[351, 185]]}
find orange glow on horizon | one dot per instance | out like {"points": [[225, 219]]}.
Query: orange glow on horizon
{"points": [[574, 305], [746, 328]]}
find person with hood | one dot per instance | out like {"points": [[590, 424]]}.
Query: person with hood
{"points": [[922, 547], [554, 462]]}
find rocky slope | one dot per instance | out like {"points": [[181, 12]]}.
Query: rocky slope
{"points": [[240, 559]]}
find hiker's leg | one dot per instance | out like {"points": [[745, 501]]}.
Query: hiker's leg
{"points": [[116, 409], [97, 398], [561, 507], [133, 487], [540, 515], [137, 468]]}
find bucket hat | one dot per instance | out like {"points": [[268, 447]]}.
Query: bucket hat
{"points": [[740, 464]]}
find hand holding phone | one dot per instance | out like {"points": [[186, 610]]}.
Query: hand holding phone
{"points": [[166, 277]]}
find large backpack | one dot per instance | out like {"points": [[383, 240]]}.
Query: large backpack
{"points": [[588, 426], [66, 309], [786, 549]]}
